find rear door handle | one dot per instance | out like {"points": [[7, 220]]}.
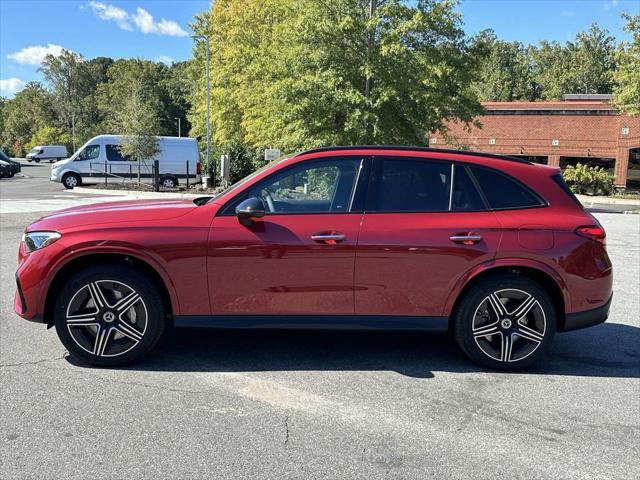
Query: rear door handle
{"points": [[466, 238], [330, 238]]}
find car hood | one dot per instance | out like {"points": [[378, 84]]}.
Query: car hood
{"points": [[138, 211]]}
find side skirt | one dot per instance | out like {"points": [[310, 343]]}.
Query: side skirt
{"points": [[313, 322]]}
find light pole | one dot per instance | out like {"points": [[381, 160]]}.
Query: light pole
{"points": [[179, 129], [206, 69]]}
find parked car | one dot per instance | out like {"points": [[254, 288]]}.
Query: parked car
{"points": [[53, 153], [5, 170], [101, 157], [497, 250], [13, 166]]}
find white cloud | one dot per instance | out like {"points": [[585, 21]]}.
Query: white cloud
{"points": [[11, 85], [145, 22], [610, 4], [34, 55], [111, 13], [142, 19], [165, 59]]}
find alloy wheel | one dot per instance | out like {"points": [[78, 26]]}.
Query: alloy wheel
{"points": [[106, 318], [509, 325]]}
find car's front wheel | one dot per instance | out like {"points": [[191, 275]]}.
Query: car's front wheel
{"points": [[505, 322], [71, 180], [109, 315]]}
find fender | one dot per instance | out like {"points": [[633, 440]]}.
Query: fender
{"points": [[506, 262], [119, 249]]}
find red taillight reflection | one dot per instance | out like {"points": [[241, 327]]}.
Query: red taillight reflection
{"points": [[592, 232]]}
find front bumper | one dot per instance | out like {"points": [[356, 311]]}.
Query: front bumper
{"points": [[587, 318]]}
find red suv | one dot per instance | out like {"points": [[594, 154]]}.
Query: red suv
{"points": [[495, 249]]}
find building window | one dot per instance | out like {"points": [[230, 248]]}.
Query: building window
{"points": [[633, 174]]}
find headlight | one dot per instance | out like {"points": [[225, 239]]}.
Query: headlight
{"points": [[37, 240]]}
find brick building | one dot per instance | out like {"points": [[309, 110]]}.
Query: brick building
{"points": [[581, 128]]}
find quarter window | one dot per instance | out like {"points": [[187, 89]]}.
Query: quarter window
{"points": [[503, 192], [410, 185]]}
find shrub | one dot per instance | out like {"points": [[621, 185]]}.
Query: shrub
{"points": [[590, 180]]}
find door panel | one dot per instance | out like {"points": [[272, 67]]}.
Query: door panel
{"points": [[273, 267], [407, 263]]}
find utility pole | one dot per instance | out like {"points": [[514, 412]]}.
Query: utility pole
{"points": [[367, 81], [205, 39], [179, 129]]}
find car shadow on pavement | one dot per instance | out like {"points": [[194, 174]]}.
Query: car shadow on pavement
{"points": [[608, 350]]}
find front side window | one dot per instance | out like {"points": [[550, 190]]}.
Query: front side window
{"points": [[503, 192], [410, 185], [320, 187], [324, 186], [90, 152]]}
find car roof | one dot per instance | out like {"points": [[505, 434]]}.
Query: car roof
{"points": [[409, 148]]}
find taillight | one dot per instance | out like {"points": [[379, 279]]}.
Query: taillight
{"points": [[198, 168], [592, 232]]}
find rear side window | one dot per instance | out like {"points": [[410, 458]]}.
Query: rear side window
{"points": [[465, 196], [410, 185], [503, 192], [114, 154]]}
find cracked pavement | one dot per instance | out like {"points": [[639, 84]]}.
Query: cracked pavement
{"points": [[210, 404]]}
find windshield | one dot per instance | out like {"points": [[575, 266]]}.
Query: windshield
{"points": [[35, 150], [3, 156], [239, 183]]}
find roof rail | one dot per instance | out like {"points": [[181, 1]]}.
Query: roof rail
{"points": [[414, 149]]}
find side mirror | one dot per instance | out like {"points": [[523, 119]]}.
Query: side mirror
{"points": [[249, 209]]}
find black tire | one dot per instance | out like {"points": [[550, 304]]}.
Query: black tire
{"points": [[71, 180], [509, 341], [129, 332], [168, 181], [37, 160]]}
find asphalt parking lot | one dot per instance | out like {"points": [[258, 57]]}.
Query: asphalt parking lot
{"points": [[228, 405]]}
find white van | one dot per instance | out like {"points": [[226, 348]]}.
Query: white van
{"points": [[53, 153], [100, 157]]}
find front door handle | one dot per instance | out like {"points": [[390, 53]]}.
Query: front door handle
{"points": [[330, 238], [466, 238]]}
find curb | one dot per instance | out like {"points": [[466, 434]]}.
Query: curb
{"points": [[589, 200], [135, 193]]}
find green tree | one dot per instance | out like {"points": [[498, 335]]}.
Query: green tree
{"points": [[627, 91], [585, 65], [505, 71], [138, 122], [295, 74], [166, 93], [70, 80], [27, 112], [49, 135]]}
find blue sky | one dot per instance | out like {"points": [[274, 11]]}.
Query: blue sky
{"points": [[159, 29]]}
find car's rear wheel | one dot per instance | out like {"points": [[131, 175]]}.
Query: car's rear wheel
{"points": [[71, 180], [109, 315], [505, 322], [169, 182]]}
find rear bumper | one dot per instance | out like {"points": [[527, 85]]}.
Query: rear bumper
{"points": [[587, 318]]}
